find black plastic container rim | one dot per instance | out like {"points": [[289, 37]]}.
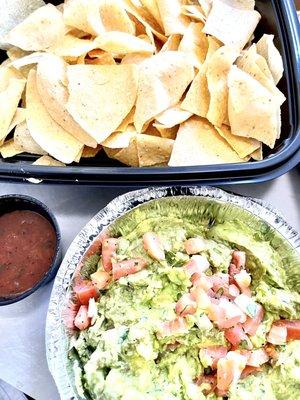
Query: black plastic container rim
{"points": [[290, 35], [57, 256]]}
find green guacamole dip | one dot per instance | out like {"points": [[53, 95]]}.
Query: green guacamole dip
{"points": [[121, 357]]}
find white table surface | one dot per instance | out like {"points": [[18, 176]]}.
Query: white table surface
{"points": [[22, 351]]}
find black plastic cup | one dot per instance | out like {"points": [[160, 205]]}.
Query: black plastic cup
{"points": [[16, 202]]}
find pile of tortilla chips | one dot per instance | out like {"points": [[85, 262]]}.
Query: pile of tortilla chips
{"points": [[148, 82]]}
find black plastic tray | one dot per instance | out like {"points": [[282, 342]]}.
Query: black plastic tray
{"points": [[278, 18]]}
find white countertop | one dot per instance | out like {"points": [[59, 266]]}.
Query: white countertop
{"points": [[22, 351]]}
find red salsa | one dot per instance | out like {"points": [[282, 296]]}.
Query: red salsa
{"points": [[27, 243]]}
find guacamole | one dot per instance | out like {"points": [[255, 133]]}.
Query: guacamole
{"points": [[188, 299]]}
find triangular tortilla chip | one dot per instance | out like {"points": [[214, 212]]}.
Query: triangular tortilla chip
{"points": [[198, 143], [128, 155], [242, 4], [233, 26], [153, 150], [128, 120], [152, 7], [19, 117], [120, 140], [23, 138], [172, 18], [115, 18], [48, 161], [257, 155], [9, 100], [10, 149], [197, 98], [162, 82], [217, 72], [41, 30], [90, 152], [6, 73], [242, 146], [172, 43], [103, 58], [206, 6], [173, 116], [252, 109], [194, 43], [267, 49], [135, 58], [123, 43], [71, 46], [51, 84], [44, 130], [169, 133], [248, 62], [101, 96], [84, 15]]}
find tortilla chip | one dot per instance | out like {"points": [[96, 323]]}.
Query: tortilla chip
{"points": [[6, 73], [120, 140], [128, 155], [84, 15], [266, 48], [218, 68], [115, 18], [71, 46], [198, 143], [19, 117], [40, 31], [152, 130], [14, 53], [48, 161], [162, 82], [10, 149], [172, 18], [128, 120], [44, 130], [9, 100], [194, 43], [248, 62], [257, 155], [197, 98], [145, 18], [172, 43], [173, 116], [101, 96], [206, 6], [242, 146], [23, 138], [252, 109], [90, 152], [153, 150], [193, 11], [51, 83], [242, 4], [233, 26], [123, 43], [169, 133], [152, 7], [134, 58]]}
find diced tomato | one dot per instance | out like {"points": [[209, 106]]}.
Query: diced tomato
{"points": [[69, 314], [216, 313], [215, 353], [251, 325], [271, 351], [196, 266], [277, 335], [200, 297], [128, 267], [249, 371], [186, 305], [239, 259], [257, 358], [233, 291], [232, 314], [243, 279], [153, 246], [292, 326], [194, 245], [177, 326], [208, 383], [236, 335], [101, 279], [229, 369], [109, 249], [84, 291], [233, 270], [82, 321], [202, 282], [220, 282]]}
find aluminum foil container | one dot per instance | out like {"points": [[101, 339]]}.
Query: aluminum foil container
{"points": [[57, 340]]}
